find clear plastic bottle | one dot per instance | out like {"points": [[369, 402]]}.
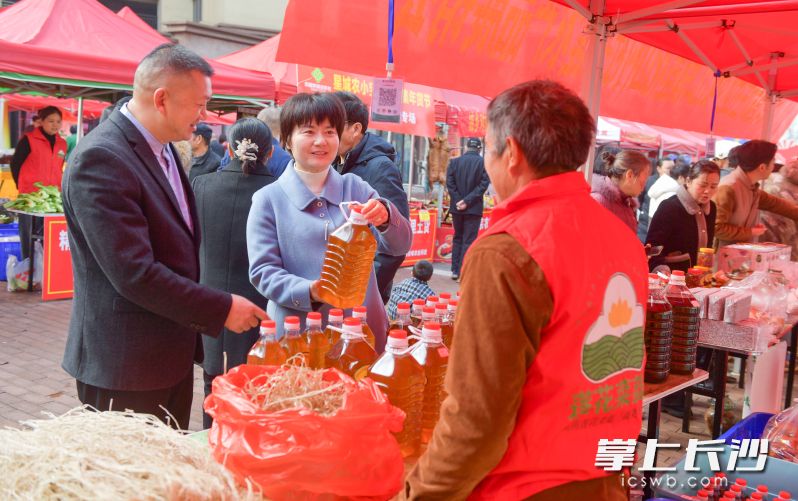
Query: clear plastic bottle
{"points": [[402, 321], [431, 301], [658, 333], [433, 355], [427, 315], [351, 355], [348, 262], [402, 379], [293, 342], [360, 312], [335, 318], [415, 314], [442, 317], [318, 342], [444, 297], [686, 323], [267, 350]]}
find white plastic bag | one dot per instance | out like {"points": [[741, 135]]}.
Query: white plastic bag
{"points": [[782, 432], [17, 271]]}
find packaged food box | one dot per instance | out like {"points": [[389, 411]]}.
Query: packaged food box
{"points": [[737, 307], [717, 303], [702, 295], [753, 256]]}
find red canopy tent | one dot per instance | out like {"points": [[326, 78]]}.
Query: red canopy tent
{"points": [[485, 47], [128, 15], [80, 48]]}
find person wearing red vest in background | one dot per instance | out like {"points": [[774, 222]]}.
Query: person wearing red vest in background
{"points": [[536, 376], [38, 157]]}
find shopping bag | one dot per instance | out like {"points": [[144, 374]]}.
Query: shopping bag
{"points": [[17, 271], [299, 454]]}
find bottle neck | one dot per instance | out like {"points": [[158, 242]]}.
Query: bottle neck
{"points": [[403, 318], [314, 326], [269, 335], [293, 332], [336, 322]]}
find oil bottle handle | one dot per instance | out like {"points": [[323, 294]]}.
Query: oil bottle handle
{"points": [[347, 217]]}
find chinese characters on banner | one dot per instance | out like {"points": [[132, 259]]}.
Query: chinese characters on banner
{"points": [[445, 236], [418, 101], [423, 224], [57, 281], [472, 123]]}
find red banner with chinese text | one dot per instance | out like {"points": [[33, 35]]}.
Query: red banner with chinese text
{"points": [[445, 235], [57, 280], [418, 101], [424, 224]]}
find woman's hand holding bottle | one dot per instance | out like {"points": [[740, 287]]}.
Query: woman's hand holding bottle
{"points": [[375, 212]]}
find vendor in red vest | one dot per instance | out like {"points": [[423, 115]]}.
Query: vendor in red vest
{"points": [[536, 377], [38, 157]]}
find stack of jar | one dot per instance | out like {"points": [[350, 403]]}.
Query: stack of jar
{"points": [[658, 334], [686, 323]]}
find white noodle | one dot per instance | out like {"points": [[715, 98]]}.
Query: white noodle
{"points": [[110, 456]]}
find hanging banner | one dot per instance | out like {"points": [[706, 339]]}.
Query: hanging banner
{"points": [[57, 280], [424, 224], [417, 114], [444, 238]]}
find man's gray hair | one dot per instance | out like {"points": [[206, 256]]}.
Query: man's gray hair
{"points": [[167, 60], [271, 117]]}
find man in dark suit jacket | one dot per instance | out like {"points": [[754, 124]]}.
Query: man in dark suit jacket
{"points": [[373, 159], [466, 182], [134, 237]]}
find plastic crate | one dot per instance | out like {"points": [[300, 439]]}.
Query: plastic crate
{"points": [[750, 427], [9, 244]]}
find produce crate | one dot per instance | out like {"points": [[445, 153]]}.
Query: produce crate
{"points": [[9, 245], [778, 475]]}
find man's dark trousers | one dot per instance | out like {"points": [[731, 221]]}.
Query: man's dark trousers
{"points": [[466, 227]]}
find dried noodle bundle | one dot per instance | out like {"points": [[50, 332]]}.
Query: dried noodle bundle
{"points": [[109, 455]]}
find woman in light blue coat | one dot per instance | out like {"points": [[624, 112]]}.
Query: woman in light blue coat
{"points": [[290, 220]]}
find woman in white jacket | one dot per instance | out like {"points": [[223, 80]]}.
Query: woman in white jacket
{"points": [[671, 176]]}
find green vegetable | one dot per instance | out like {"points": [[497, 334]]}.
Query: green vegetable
{"points": [[47, 200]]}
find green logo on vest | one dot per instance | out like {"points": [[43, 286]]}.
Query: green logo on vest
{"points": [[615, 341]]}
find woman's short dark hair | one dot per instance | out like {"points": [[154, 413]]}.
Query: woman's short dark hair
{"points": [[47, 111], [552, 126], [704, 166], [616, 165], [303, 108], [259, 134], [754, 153]]}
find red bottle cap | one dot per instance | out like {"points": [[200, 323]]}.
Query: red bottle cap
{"points": [[445, 295], [441, 307], [729, 495], [403, 306], [359, 309], [702, 492], [756, 496], [736, 488], [268, 324], [741, 481], [419, 302], [398, 334], [314, 315], [432, 299], [428, 309], [352, 322], [454, 302], [433, 326], [291, 322], [719, 474], [785, 495], [678, 273], [762, 488]]}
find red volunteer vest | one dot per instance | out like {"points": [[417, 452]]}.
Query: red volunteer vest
{"points": [[586, 382], [44, 164]]}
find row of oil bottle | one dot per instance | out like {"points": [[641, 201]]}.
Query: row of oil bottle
{"points": [[410, 371], [671, 329]]}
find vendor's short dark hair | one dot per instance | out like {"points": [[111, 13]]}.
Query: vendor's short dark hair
{"points": [[205, 132], [166, 59], [754, 153], [704, 166], [734, 160], [303, 108], [47, 111], [422, 270], [551, 124], [73, 129], [356, 110]]}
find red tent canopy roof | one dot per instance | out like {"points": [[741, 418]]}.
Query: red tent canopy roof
{"points": [[130, 16], [83, 40]]}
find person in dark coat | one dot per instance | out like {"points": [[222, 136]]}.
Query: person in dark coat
{"points": [[466, 182], [686, 222], [373, 159], [204, 160], [134, 236], [223, 202]]}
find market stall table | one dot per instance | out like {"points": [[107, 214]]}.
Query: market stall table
{"points": [[728, 339], [652, 397], [57, 280]]}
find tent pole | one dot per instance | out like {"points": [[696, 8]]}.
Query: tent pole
{"points": [[770, 103], [596, 50], [80, 120]]}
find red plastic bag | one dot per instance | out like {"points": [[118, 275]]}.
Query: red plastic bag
{"points": [[300, 454]]}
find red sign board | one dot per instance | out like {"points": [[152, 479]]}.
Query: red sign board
{"points": [[57, 281], [445, 235], [424, 225], [418, 101]]}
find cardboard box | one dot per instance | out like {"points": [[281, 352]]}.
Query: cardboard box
{"points": [[754, 256]]}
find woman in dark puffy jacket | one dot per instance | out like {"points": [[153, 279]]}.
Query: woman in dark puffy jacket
{"points": [[685, 223], [624, 179]]}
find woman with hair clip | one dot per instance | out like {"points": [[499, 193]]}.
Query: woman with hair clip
{"points": [[624, 179], [686, 222], [223, 201], [291, 219]]}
